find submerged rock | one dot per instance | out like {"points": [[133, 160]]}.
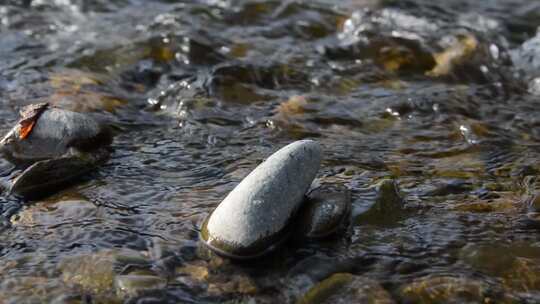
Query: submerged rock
{"points": [[133, 284], [95, 273], [235, 284], [387, 206], [216, 277], [446, 289], [346, 288], [31, 289], [55, 211], [48, 175], [390, 38], [388, 196], [83, 91], [324, 212], [256, 216], [53, 146]]}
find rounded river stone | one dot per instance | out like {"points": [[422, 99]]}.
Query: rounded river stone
{"points": [[255, 217], [54, 133]]}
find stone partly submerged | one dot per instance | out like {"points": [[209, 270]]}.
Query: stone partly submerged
{"points": [[325, 211], [387, 206], [54, 132], [526, 59], [257, 215], [51, 174], [51, 147]]}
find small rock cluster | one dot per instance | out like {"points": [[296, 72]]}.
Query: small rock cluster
{"points": [[270, 204], [50, 147]]}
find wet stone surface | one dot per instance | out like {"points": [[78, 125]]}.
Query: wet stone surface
{"points": [[325, 211], [257, 215], [427, 111], [54, 132], [51, 147]]}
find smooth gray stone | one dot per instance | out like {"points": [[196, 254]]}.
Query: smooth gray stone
{"points": [[55, 132], [254, 218]]}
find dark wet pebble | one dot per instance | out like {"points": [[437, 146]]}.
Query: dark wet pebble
{"points": [[47, 176], [324, 212]]}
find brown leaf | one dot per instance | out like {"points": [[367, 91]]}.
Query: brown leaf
{"points": [[29, 117], [26, 128]]}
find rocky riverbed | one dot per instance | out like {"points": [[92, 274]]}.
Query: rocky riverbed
{"points": [[425, 113]]}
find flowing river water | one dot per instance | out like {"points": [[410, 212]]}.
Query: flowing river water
{"points": [[441, 96]]}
